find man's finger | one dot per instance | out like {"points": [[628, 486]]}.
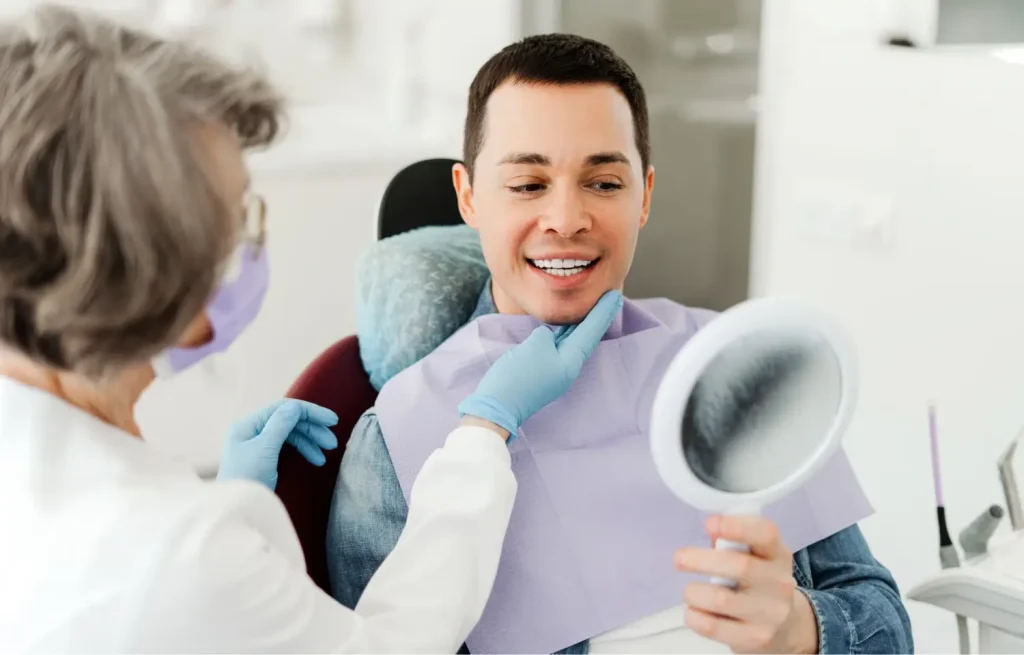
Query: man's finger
{"points": [[738, 635], [758, 532], [581, 342], [730, 603], [744, 568]]}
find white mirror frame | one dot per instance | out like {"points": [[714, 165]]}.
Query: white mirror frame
{"points": [[680, 377]]}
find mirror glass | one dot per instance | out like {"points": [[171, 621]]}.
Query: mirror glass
{"points": [[761, 408]]}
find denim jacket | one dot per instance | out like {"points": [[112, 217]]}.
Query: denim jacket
{"points": [[855, 599]]}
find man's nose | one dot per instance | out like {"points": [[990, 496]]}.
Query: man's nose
{"points": [[566, 214]]}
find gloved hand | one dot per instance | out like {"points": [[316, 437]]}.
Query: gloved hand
{"points": [[540, 369], [253, 445]]}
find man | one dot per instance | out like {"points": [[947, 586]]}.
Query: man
{"points": [[557, 181]]}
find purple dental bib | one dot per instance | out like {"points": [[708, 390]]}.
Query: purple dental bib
{"points": [[593, 531]]}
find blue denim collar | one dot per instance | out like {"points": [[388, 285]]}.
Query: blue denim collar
{"points": [[485, 304]]}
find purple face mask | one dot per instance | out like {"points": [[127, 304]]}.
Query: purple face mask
{"points": [[234, 307]]}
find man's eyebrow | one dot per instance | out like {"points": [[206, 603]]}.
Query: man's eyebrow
{"points": [[537, 159], [612, 157], [530, 158]]}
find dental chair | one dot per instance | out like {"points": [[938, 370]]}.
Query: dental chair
{"points": [[419, 195], [335, 380]]}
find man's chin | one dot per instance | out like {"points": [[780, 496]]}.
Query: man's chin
{"points": [[559, 307], [563, 315], [556, 321]]}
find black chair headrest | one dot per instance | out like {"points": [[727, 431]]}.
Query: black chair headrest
{"points": [[419, 195]]}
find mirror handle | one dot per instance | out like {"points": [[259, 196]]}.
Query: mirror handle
{"points": [[725, 544]]}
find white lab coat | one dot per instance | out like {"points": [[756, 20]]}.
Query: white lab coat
{"points": [[107, 546]]}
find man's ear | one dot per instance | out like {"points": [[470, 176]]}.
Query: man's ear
{"points": [[645, 210], [464, 191]]}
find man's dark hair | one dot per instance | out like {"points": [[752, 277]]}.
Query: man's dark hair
{"points": [[559, 59]]}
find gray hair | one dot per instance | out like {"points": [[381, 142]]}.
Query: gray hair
{"points": [[112, 234]]}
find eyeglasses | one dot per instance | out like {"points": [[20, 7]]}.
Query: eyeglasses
{"points": [[254, 219]]}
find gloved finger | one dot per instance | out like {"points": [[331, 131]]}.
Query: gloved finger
{"points": [[541, 334], [315, 413], [254, 424], [580, 344], [309, 450], [318, 434], [281, 424], [251, 426], [562, 331]]}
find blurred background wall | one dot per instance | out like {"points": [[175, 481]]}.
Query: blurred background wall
{"points": [[797, 154]]}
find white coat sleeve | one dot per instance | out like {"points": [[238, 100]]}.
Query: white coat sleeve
{"points": [[425, 598]]}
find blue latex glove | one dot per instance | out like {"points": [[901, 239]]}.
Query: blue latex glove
{"points": [[540, 369], [254, 444]]}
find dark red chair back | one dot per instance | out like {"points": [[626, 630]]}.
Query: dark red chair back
{"points": [[420, 194], [335, 380]]}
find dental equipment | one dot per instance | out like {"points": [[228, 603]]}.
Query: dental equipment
{"points": [[948, 556], [989, 587], [975, 537], [1010, 488]]}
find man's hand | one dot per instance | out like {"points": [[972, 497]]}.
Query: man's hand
{"points": [[765, 613]]}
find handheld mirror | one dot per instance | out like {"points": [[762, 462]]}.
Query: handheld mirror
{"points": [[752, 406]]}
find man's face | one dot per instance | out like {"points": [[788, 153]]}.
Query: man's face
{"points": [[558, 197]]}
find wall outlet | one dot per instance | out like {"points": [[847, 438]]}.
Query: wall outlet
{"points": [[844, 215]]}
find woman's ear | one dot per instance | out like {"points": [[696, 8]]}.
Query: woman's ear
{"points": [[198, 333], [464, 191]]}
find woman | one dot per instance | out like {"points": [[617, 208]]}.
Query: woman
{"points": [[130, 249]]}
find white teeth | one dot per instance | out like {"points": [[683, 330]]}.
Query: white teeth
{"points": [[556, 264], [562, 267], [565, 272]]}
